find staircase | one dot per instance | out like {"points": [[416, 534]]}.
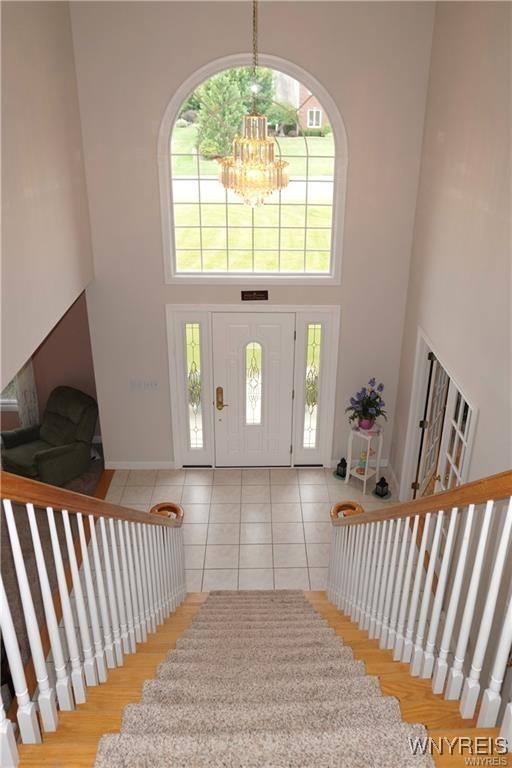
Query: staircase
{"points": [[260, 679]]}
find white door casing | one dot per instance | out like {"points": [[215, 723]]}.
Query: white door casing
{"points": [[254, 427], [181, 316]]}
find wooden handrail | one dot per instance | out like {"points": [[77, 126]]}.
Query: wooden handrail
{"points": [[23, 491], [495, 487], [167, 509]]}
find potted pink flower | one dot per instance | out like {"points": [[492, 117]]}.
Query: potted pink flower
{"points": [[367, 405]]}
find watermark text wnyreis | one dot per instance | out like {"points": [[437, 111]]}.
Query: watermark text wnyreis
{"points": [[480, 750]]}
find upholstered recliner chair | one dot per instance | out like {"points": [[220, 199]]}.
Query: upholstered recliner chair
{"points": [[57, 450]]}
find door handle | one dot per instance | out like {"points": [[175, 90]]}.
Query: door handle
{"points": [[219, 398]]}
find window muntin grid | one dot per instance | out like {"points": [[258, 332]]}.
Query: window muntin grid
{"points": [[253, 383], [311, 384], [314, 118], [194, 385], [291, 234]]}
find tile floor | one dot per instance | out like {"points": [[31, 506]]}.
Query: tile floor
{"points": [[247, 528]]}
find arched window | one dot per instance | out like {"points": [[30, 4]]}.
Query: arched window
{"points": [[210, 233]]}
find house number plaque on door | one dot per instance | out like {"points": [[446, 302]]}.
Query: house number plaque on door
{"points": [[254, 295]]}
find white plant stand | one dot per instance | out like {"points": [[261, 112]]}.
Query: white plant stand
{"points": [[367, 435]]}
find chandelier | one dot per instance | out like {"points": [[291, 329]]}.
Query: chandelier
{"points": [[252, 171]]}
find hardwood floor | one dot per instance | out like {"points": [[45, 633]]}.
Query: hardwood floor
{"points": [[417, 702], [74, 744]]}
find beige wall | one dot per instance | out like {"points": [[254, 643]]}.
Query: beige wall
{"points": [[460, 281], [46, 248], [373, 58], [65, 356]]}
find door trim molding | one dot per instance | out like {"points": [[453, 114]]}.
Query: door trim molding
{"points": [[424, 345], [173, 312]]}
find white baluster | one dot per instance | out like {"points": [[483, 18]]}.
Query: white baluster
{"points": [[404, 601], [46, 697], [27, 712], [139, 580], [373, 575], [126, 588], [167, 566], [363, 614], [123, 623], [91, 677], [144, 574], [441, 664], [389, 588], [112, 602], [63, 683], [417, 654], [155, 562], [362, 572], [343, 566], [471, 690], [337, 564], [146, 536], [181, 550], [332, 559], [384, 580], [456, 675], [77, 675], [399, 585], [102, 597], [491, 700], [378, 576], [162, 536], [356, 566], [506, 726], [99, 654], [415, 597], [428, 657], [9, 757]]}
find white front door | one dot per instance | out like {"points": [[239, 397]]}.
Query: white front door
{"points": [[253, 368]]}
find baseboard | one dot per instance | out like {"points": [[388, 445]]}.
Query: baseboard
{"points": [[140, 465]]}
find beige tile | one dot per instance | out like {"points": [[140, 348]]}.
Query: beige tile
{"points": [[311, 476], [166, 493], [255, 533], [194, 557], [114, 494], [141, 477], [287, 533], [316, 511], [195, 513], [285, 494], [220, 579], [318, 578], [225, 513], [255, 494], [289, 556], [310, 493], [139, 507], [318, 555], [226, 494], [317, 532], [227, 477], [291, 578], [137, 494], [223, 533], [119, 477], [170, 477], [255, 476], [196, 494], [198, 476], [194, 534], [256, 513], [221, 556], [256, 578], [256, 556], [286, 513], [193, 580], [287, 476]]}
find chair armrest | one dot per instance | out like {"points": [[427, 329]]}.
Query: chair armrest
{"points": [[14, 437], [58, 465]]}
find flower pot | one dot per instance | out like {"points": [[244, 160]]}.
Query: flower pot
{"points": [[366, 423]]}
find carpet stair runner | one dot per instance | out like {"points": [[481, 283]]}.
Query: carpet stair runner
{"points": [[260, 680]]}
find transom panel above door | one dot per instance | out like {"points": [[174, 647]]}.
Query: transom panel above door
{"points": [[253, 387], [253, 356]]}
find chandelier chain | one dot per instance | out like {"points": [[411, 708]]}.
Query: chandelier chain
{"points": [[254, 51]]}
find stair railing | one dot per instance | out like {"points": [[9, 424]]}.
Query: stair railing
{"points": [[118, 579], [379, 576]]}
